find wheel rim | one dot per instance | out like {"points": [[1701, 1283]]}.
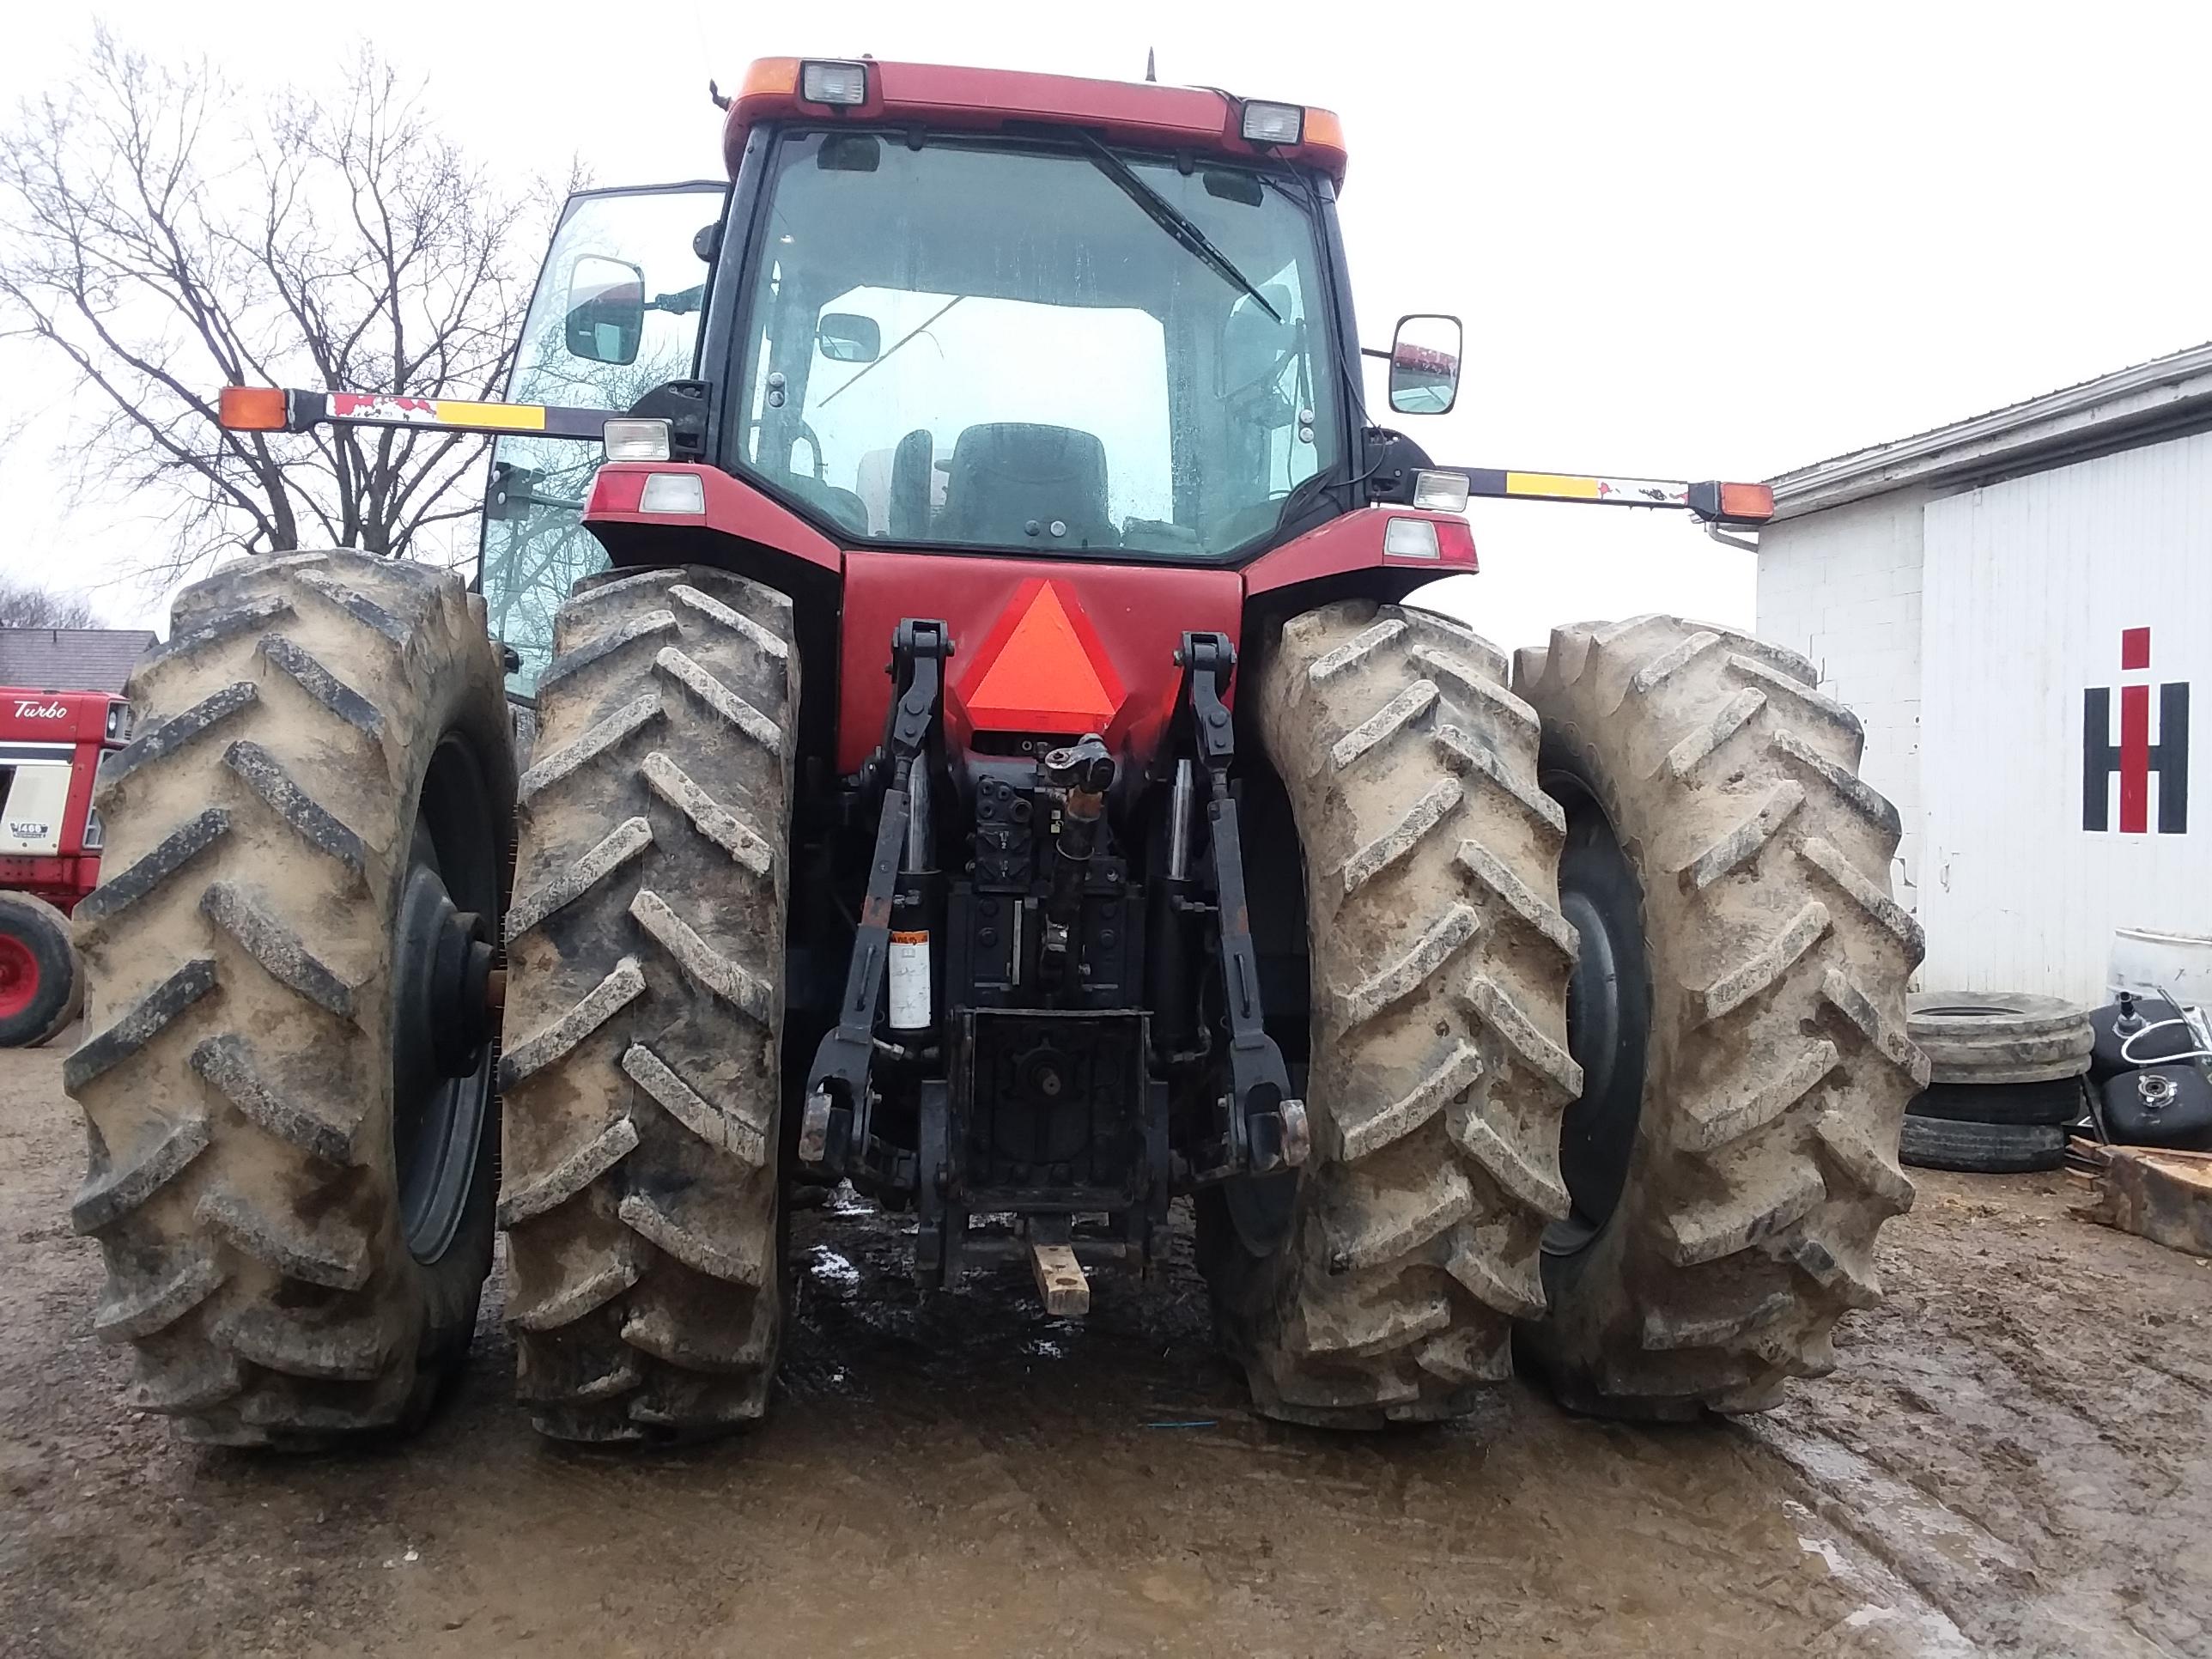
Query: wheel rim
{"points": [[442, 1063], [19, 977], [1608, 1015]]}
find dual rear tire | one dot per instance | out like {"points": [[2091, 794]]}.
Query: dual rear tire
{"points": [[289, 1082], [1609, 1042]]}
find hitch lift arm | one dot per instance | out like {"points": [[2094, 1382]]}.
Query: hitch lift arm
{"points": [[1268, 1120], [835, 1119]]}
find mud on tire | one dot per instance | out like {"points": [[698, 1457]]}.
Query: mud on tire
{"points": [[644, 1010], [238, 1079], [1439, 1068], [1777, 1066]]}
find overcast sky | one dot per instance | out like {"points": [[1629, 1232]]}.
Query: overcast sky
{"points": [[1688, 241]]}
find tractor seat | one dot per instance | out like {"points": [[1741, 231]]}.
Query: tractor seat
{"points": [[841, 505], [1010, 482]]}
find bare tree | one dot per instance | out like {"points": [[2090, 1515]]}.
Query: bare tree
{"points": [[165, 240], [24, 605]]}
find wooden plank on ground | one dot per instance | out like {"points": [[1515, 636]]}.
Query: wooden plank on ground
{"points": [[1060, 1279], [2164, 1196]]}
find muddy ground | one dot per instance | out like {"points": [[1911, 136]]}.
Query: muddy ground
{"points": [[2012, 1457]]}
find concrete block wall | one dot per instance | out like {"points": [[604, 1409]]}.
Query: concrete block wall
{"points": [[1844, 588]]}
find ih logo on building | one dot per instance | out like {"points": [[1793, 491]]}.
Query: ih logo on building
{"points": [[2138, 755]]}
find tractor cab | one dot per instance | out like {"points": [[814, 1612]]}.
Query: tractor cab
{"points": [[924, 317]]}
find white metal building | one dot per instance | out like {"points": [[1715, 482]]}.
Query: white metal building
{"points": [[2018, 607]]}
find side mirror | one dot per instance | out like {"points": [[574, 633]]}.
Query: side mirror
{"points": [[606, 310], [844, 337], [1425, 365]]}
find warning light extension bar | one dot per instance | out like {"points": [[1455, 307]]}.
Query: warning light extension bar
{"points": [[268, 409]]}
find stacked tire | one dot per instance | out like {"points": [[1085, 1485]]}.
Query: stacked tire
{"points": [[2005, 1081]]}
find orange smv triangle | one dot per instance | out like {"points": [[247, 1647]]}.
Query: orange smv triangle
{"points": [[1042, 680]]}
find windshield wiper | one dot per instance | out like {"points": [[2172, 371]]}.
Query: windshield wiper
{"points": [[1172, 219]]}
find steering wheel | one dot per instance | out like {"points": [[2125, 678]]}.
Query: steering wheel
{"points": [[1272, 371], [820, 465], [806, 436]]}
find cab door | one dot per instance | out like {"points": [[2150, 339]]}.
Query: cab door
{"points": [[615, 313]]}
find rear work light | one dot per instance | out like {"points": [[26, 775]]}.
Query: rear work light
{"points": [[251, 409], [1273, 123], [1440, 492], [834, 83], [626, 439]]}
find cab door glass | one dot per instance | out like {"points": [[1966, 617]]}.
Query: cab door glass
{"points": [[535, 547]]}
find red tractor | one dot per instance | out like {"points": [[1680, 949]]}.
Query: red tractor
{"points": [[975, 742], [50, 747]]}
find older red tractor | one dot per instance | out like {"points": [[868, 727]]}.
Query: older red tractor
{"points": [[979, 746]]}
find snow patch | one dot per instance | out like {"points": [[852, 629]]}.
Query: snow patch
{"points": [[831, 1268]]}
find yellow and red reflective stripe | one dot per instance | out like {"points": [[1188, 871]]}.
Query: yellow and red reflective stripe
{"points": [[1553, 484], [1577, 487], [380, 409]]}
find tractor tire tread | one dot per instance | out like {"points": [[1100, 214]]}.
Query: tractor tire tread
{"points": [[1439, 1068], [1766, 1157], [645, 998], [235, 1041]]}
